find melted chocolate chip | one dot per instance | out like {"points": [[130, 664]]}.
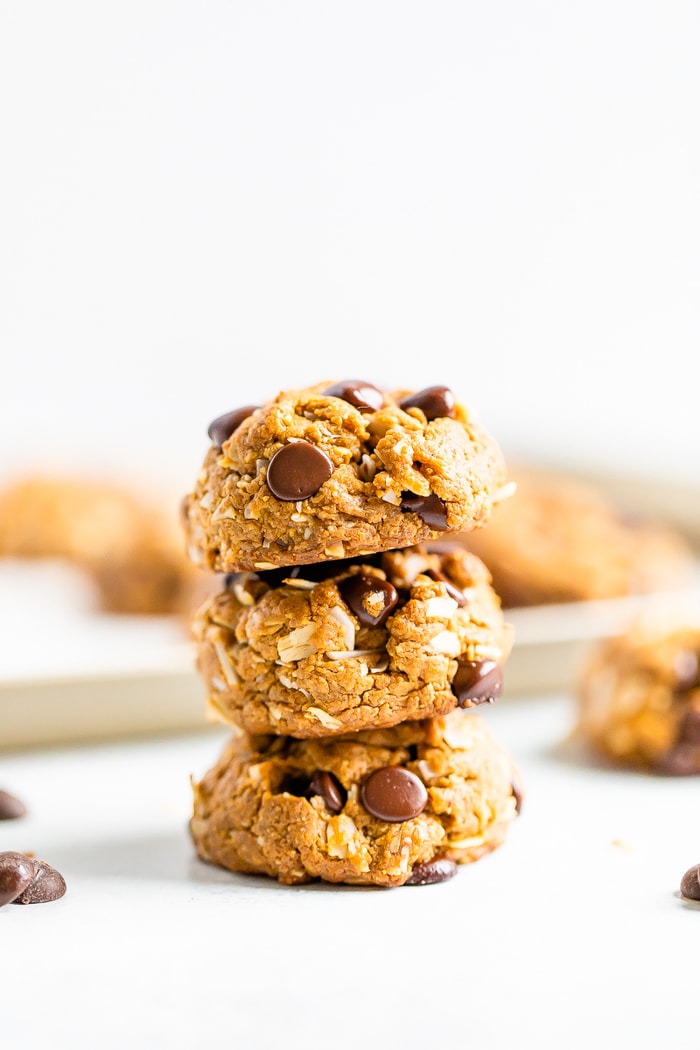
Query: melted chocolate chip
{"points": [[10, 807], [430, 509], [327, 786], [47, 885], [690, 883], [221, 428], [361, 395], [394, 794], [16, 874], [477, 682], [434, 402], [454, 592], [369, 597], [439, 869], [297, 471]]}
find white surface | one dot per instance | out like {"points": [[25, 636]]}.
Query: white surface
{"points": [[560, 938], [200, 204]]}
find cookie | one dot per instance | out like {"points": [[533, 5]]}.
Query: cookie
{"points": [[342, 646], [556, 540], [336, 471], [385, 807], [639, 699], [134, 554]]}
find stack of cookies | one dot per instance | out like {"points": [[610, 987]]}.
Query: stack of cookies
{"points": [[341, 646]]}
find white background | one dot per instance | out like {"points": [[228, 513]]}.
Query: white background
{"points": [[201, 203]]}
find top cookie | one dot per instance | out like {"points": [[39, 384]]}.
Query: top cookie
{"points": [[339, 470]]}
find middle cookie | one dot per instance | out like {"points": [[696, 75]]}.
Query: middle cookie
{"points": [[342, 646]]}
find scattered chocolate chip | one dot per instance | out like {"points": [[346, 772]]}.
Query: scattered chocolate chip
{"points": [[439, 869], [221, 428], [434, 402], [430, 509], [454, 592], [394, 794], [690, 883], [517, 795], [477, 682], [47, 885], [10, 807], [327, 786], [16, 873], [361, 395], [369, 597], [297, 471]]}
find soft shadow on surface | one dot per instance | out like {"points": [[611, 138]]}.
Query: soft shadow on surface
{"points": [[167, 858]]}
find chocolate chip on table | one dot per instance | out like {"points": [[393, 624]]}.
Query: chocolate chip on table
{"points": [[434, 402], [690, 883], [394, 794], [297, 471], [439, 869], [10, 807], [357, 393], [221, 428], [47, 885], [369, 597], [477, 682], [454, 592], [430, 509], [16, 874], [326, 785]]}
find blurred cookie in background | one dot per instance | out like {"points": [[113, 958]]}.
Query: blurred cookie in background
{"points": [[559, 540], [639, 698], [132, 551]]}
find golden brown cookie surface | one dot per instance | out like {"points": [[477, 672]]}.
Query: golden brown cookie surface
{"points": [[382, 807], [339, 646], [335, 471], [639, 699]]}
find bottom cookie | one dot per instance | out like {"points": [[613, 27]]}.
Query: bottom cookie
{"points": [[639, 699], [383, 807]]}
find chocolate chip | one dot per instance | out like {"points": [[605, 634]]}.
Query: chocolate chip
{"points": [[369, 597], [47, 885], [430, 509], [439, 869], [16, 873], [690, 883], [477, 682], [221, 428], [434, 402], [297, 471], [394, 794], [10, 807], [687, 670], [683, 760], [361, 395], [454, 592], [325, 784], [689, 729]]}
